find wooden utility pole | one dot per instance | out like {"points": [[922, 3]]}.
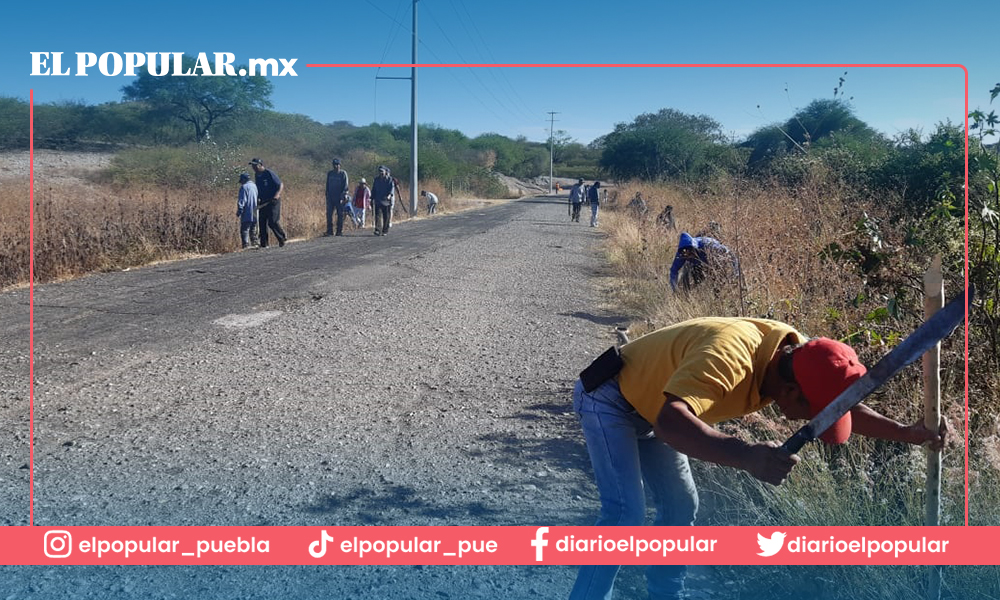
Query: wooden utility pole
{"points": [[933, 302]]}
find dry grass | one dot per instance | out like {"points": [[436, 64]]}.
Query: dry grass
{"points": [[125, 228], [114, 227], [14, 249], [778, 237]]}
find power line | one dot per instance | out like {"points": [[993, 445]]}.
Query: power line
{"points": [[528, 110], [471, 70], [385, 51], [525, 111], [393, 19]]}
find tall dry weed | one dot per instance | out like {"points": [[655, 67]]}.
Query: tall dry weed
{"points": [[75, 234], [779, 237], [110, 226], [14, 250]]}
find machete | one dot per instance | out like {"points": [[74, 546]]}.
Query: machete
{"points": [[920, 341]]}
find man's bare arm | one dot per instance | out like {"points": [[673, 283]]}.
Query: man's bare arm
{"points": [[678, 426], [871, 423]]}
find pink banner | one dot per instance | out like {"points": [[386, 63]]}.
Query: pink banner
{"points": [[468, 545]]}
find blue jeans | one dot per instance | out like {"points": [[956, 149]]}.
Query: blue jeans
{"points": [[626, 453], [593, 214]]}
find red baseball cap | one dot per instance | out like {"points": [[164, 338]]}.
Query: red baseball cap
{"points": [[823, 369]]}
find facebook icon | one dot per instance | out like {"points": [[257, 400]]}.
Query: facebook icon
{"points": [[540, 542]]}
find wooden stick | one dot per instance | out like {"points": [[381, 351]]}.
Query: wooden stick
{"points": [[933, 301]]}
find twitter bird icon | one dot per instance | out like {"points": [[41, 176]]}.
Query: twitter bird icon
{"points": [[771, 546]]}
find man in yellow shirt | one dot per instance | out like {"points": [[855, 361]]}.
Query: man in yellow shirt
{"points": [[644, 416]]}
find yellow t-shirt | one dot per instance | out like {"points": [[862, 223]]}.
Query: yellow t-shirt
{"points": [[714, 364]]}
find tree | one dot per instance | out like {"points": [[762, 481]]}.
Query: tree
{"points": [[200, 99], [668, 144], [823, 122]]}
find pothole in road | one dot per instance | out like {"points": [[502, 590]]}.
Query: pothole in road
{"points": [[248, 320]]}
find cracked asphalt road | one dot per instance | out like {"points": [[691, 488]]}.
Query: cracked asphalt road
{"points": [[421, 378]]}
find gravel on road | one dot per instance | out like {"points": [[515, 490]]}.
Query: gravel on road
{"points": [[426, 388]]}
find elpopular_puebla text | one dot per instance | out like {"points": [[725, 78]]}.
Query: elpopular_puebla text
{"points": [[159, 64]]}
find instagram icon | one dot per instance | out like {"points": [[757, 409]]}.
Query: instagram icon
{"points": [[58, 543]]}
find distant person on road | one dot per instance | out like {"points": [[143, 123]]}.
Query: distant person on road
{"points": [[246, 210], [362, 200], [594, 195], [696, 257], [576, 200], [337, 195], [269, 188], [382, 198], [650, 409], [432, 201]]}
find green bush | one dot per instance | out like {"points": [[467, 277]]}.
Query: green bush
{"points": [[200, 165]]}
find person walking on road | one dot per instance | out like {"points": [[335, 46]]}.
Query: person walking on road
{"points": [[362, 200], [269, 189], [576, 200], [594, 195], [337, 197], [646, 410], [432, 201], [382, 197], [246, 210]]}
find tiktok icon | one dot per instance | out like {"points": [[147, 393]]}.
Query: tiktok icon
{"points": [[321, 544]]}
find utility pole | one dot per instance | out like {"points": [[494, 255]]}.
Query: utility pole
{"points": [[552, 120], [414, 192]]}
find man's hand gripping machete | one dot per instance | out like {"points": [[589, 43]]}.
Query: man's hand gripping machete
{"points": [[913, 347]]}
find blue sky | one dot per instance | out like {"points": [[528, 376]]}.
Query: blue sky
{"points": [[515, 101]]}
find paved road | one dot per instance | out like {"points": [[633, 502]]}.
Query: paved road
{"points": [[418, 379]]}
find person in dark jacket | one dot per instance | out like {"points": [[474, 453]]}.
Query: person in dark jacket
{"points": [[382, 198], [594, 195], [269, 188], [336, 197], [697, 255]]}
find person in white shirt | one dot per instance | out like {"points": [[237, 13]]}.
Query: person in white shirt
{"points": [[432, 201]]}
